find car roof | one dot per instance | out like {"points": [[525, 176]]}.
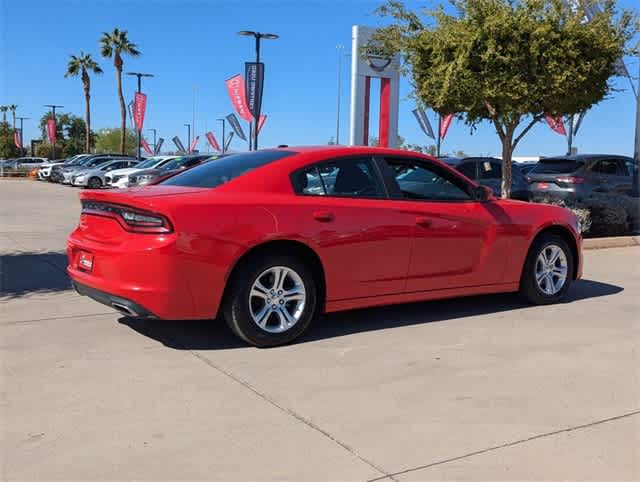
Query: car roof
{"points": [[582, 157]]}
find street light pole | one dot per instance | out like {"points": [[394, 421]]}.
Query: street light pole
{"points": [[23, 151], [53, 110], [635, 191], [339, 48], [188, 126], [154, 139], [256, 117], [139, 75], [223, 133]]}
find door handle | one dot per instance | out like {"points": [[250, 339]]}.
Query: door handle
{"points": [[323, 216], [423, 221]]}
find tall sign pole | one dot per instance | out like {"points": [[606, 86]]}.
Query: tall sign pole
{"points": [[23, 150], [223, 135], [53, 144], [636, 150], [139, 75]]}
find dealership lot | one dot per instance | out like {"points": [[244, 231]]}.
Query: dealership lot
{"points": [[482, 388]]}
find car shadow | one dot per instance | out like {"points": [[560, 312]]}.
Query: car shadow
{"points": [[25, 273], [214, 334]]}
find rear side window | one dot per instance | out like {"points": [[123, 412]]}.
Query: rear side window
{"points": [[609, 167], [343, 177], [556, 166], [489, 170], [468, 169], [224, 169]]}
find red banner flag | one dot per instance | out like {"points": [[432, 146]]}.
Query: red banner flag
{"points": [[16, 138], [444, 125], [194, 143], [556, 124], [261, 120], [212, 140], [51, 130], [139, 108], [145, 145], [238, 96]]}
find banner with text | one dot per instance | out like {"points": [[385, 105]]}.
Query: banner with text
{"points": [[158, 146], [176, 140], [194, 143], [51, 130], [228, 141], [261, 121], [423, 122], [444, 125], [556, 124], [139, 108], [237, 94], [253, 83], [17, 138]]}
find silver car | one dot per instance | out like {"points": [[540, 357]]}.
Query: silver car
{"points": [[94, 178]]}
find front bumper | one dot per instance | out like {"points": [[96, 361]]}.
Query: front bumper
{"points": [[78, 182], [44, 174], [123, 305], [66, 177], [121, 182]]}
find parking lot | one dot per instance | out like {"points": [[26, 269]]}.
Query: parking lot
{"points": [[479, 388]]}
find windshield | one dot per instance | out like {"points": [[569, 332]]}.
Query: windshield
{"points": [[152, 161], [224, 169], [556, 166]]}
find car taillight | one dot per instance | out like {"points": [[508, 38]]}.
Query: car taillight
{"points": [[132, 219], [570, 179]]}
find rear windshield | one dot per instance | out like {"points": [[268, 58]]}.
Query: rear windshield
{"points": [[556, 166], [220, 171]]}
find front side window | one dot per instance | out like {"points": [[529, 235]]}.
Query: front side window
{"points": [[468, 169], [343, 177], [417, 181]]}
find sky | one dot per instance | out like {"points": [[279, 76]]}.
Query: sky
{"points": [[192, 46]]}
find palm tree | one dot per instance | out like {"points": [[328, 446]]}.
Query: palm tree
{"points": [[83, 64], [115, 44], [4, 109], [13, 109]]}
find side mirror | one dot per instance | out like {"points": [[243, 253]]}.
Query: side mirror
{"points": [[482, 193]]}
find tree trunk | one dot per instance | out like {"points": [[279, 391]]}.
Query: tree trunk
{"points": [[507, 150], [87, 114], [123, 108]]}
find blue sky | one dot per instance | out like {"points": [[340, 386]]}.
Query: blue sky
{"points": [[192, 46]]}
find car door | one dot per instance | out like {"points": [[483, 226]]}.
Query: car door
{"points": [[454, 242], [362, 242]]}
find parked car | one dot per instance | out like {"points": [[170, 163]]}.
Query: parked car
{"points": [[94, 177], [89, 162], [44, 172], [487, 171], [71, 164], [29, 162], [244, 237], [148, 176], [120, 177], [578, 176]]}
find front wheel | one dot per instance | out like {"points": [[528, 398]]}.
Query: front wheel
{"points": [[548, 270], [94, 183], [271, 300]]}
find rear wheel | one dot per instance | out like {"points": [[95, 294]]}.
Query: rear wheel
{"points": [[548, 270], [94, 183], [271, 300]]}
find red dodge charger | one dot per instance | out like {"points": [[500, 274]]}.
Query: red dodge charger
{"points": [[270, 239]]}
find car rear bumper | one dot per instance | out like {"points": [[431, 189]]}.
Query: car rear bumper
{"points": [[123, 305]]}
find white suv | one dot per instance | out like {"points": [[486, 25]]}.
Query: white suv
{"points": [[120, 177]]}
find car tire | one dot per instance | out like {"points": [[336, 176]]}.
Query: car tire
{"points": [[94, 183], [542, 281], [244, 304]]}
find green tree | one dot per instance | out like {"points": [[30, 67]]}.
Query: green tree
{"points": [[8, 149], [82, 65], [108, 140], [508, 61], [116, 44], [4, 109]]}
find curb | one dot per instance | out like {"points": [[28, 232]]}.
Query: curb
{"points": [[613, 242]]}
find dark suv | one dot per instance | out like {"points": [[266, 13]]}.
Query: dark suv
{"points": [[487, 171], [581, 175]]}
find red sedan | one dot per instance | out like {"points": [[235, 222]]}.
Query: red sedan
{"points": [[271, 239]]}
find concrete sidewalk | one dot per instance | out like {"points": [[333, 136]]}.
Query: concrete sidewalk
{"points": [[481, 388]]}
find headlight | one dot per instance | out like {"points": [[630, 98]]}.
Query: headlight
{"points": [[144, 179]]}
